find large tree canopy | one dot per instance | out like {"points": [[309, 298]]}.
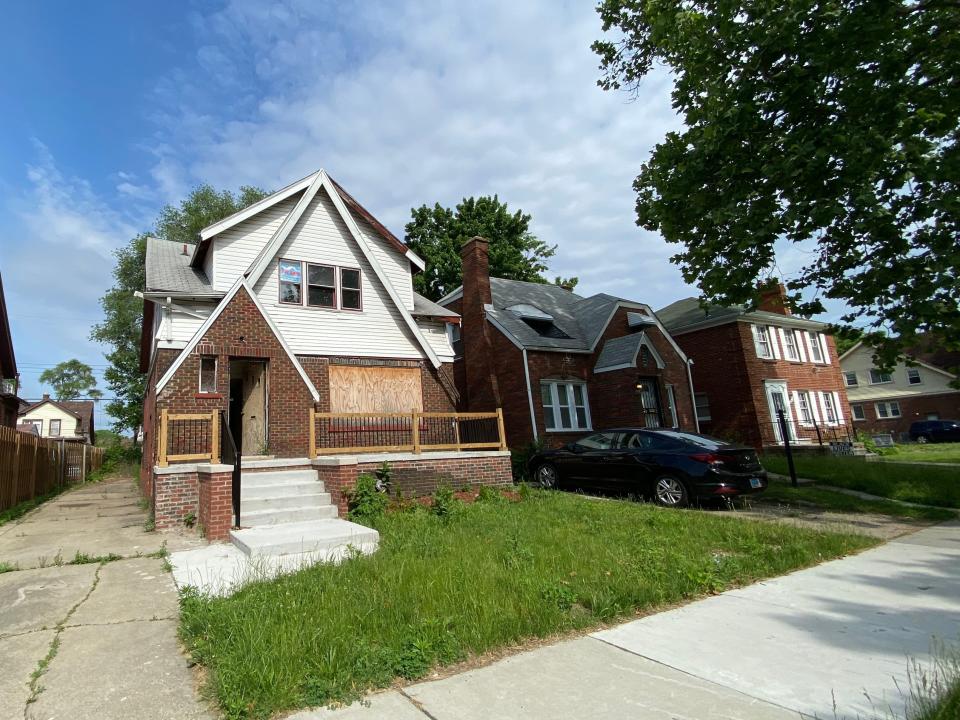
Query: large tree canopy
{"points": [[70, 380], [832, 125], [123, 313], [436, 234]]}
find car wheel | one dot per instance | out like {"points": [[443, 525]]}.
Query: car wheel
{"points": [[547, 476], [923, 439], [670, 492]]}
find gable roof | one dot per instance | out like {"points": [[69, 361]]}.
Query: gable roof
{"points": [[82, 410], [8, 361], [422, 307], [622, 352], [582, 319], [687, 314], [169, 270], [926, 352]]}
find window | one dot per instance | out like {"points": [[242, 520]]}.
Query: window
{"points": [[761, 338], [564, 406], [600, 441], [321, 286], [456, 339], [208, 374], [816, 349], [803, 408], [913, 376], [857, 412], [886, 410], [291, 281], [672, 406], [55, 428], [545, 328], [703, 406], [851, 379], [829, 410], [350, 298], [790, 344], [878, 378], [38, 424]]}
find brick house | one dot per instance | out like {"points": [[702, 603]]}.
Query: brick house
{"points": [[9, 378], [561, 365], [748, 364], [292, 331], [890, 402]]}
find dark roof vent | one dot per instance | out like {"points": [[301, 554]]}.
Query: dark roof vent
{"points": [[546, 328]]}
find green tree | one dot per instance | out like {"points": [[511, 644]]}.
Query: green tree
{"points": [[70, 380], [123, 312], [436, 234], [831, 125]]}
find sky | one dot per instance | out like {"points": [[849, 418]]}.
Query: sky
{"points": [[114, 109]]}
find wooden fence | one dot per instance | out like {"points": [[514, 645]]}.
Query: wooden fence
{"points": [[31, 466], [405, 432], [188, 436]]}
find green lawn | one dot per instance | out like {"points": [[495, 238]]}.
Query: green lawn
{"points": [[487, 576], [782, 492], [913, 483], [931, 452]]}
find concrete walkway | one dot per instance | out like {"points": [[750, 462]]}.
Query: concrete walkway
{"points": [[834, 641], [102, 635]]}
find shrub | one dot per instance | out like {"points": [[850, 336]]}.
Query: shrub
{"points": [[444, 502], [366, 503], [520, 458], [489, 494]]}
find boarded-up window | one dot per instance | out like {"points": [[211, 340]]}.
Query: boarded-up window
{"points": [[375, 389]]}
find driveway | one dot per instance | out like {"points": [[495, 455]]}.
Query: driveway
{"points": [[102, 636], [834, 641]]}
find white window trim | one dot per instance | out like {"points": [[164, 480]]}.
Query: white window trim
{"points": [[555, 406], [672, 402], [856, 378], [823, 406], [837, 408], [854, 414], [784, 332], [881, 382], [216, 368], [756, 341], [811, 339], [919, 377], [797, 394], [887, 404]]}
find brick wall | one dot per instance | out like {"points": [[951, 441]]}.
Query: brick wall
{"points": [[216, 504], [912, 409], [176, 496]]}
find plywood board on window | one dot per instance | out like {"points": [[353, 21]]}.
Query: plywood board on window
{"points": [[375, 389]]}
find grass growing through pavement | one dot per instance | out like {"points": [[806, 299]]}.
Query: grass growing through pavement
{"points": [[21, 509], [783, 492], [913, 483], [486, 576]]}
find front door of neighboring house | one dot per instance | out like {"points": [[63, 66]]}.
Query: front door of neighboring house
{"points": [[248, 405], [648, 402], [778, 403]]}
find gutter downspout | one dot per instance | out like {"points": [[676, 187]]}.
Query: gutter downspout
{"points": [[693, 397], [533, 415]]}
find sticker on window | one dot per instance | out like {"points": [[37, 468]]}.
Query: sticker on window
{"points": [[290, 272]]}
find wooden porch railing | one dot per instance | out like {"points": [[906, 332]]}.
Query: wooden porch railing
{"points": [[405, 432], [188, 436]]}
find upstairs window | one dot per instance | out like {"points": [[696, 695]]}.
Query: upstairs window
{"points": [[761, 339], [456, 339], [546, 328], [913, 376], [816, 348], [851, 379], [208, 374], [291, 282], [790, 348], [321, 286], [878, 378], [350, 289]]}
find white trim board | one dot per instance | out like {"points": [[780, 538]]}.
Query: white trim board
{"points": [[251, 210], [202, 330]]}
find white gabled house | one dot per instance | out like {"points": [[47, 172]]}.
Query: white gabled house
{"points": [[292, 329]]}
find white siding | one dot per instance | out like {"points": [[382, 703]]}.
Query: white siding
{"points": [[378, 331], [860, 361], [395, 264], [235, 249], [177, 328], [69, 425], [438, 339]]}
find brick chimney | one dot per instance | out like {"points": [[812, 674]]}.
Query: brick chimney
{"points": [[773, 298], [482, 391], [46, 396]]}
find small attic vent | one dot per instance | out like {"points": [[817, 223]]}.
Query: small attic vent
{"points": [[546, 328], [529, 312]]}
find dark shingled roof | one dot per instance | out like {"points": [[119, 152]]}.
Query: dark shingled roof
{"points": [[687, 314], [168, 270], [619, 351], [422, 307]]}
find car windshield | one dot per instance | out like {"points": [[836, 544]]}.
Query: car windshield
{"points": [[704, 441]]}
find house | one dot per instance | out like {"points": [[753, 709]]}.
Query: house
{"points": [[292, 332], [561, 365], [69, 420], [9, 378], [747, 365], [891, 401]]}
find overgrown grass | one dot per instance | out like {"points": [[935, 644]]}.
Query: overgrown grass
{"points": [[21, 509], [935, 453], [443, 588], [912, 483], [935, 689], [834, 501]]}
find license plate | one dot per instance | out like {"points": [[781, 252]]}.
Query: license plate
{"points": [[755, 482]]}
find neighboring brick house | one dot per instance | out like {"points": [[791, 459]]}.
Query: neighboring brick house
{"points": [[891, 401], [9, 378], [746, 365], [69, 420], [294, 309], [561, 365]]}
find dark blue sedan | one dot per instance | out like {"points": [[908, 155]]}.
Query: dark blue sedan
{"points": [[672, 467]]}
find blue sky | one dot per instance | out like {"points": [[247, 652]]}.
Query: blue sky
{"points": [[115, 108]]}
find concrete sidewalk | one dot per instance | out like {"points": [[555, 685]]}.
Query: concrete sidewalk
{"points": [[834, 641], [103, 636]]}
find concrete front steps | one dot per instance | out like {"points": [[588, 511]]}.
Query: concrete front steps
{"points": [[287, 516]]}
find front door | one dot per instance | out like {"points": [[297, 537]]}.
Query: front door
{"points": [[778, 403], [648, 402], [248, 405]]}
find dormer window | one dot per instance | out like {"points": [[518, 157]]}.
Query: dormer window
{"points": [[546, 328]]}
